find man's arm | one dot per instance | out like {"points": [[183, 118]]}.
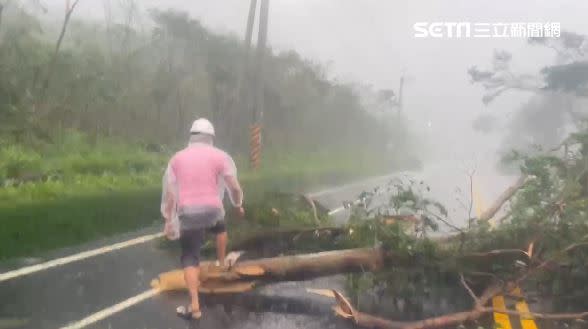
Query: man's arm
{"points": [[229, 173], [169, 197], [236, 193]]}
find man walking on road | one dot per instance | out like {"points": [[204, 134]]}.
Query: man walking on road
{"points": [[193, 190]]}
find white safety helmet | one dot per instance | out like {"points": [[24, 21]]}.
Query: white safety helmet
{"points": [[202, 126]]}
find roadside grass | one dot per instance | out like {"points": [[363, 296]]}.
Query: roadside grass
{"points": [[82, 191], [33, 227]]}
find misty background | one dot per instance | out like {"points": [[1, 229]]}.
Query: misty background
{"points": [[371, 42]]}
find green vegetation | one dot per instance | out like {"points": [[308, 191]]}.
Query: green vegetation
{"points": [[88, 122], [67, 197], [71, 166], [37, 226]]}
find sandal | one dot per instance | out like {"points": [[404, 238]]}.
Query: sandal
{"points": [[187, 313]]}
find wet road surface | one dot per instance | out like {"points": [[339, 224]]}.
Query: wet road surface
{"points": [[59, 296]]}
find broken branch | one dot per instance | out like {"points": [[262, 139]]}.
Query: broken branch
{"points": [[346, 310], [545, 263], [504, 197], [467, 287]]}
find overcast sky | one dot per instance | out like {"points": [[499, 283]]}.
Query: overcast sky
{"points": [[372, 41]]}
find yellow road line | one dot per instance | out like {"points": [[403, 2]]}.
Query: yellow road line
{"points": [[501, 319], [527, 321]]}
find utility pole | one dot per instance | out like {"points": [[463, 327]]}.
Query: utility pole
{"points": [[258, 82], [259, 72], [242, 99], [249, 28]]}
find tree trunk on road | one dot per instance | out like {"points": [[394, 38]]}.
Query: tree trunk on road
{"points": [[303, 267], [245, 275]]}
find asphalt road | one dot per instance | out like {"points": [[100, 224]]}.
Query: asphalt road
{"points": [[60, 296]]}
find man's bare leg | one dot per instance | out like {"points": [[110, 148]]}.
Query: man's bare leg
{"points": [[192, 277], [221, 247]]}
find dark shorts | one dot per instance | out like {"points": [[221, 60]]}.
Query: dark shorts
{"points": [[191, 242]]}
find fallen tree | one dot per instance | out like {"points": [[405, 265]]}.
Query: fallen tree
{"points": [[245, 275], [540, 244]]}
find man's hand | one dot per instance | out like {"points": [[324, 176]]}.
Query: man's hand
{"points": [[240, 212]]}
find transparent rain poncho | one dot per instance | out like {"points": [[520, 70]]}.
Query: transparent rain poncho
{"points": [[169, 205], [170, 193]]}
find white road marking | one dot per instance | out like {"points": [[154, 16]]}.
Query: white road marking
{"points": [[109, 311], [354, 203], [346, 186], [76, 257], [334, 211], [91, 253]]}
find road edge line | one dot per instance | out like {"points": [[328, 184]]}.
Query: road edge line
{"points": [[76, 257], [109, 311]]}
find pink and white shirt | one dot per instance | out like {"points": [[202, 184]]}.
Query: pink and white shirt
{"points": [[194, 180]]}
